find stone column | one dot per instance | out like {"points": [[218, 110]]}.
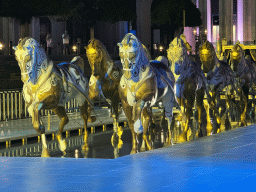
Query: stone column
{"points": [[203, 10], [35, 24], [226, 19], [253, 19], [143, 32], [58, 28], [6, 34]]}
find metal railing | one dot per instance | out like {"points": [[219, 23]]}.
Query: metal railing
{"points": [[13, 106]]}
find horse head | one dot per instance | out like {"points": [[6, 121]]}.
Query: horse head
{"points": [[207, 55], [236, 57], [133, 56], [177, 55], [97, 56], [31, 58]]}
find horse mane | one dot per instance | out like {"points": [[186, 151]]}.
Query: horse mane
{"points": [[22, 41], [207, 45], [98, 45]]}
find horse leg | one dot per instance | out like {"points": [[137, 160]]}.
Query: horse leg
{"points": [[38, 126], [117, 129], [169, 102], [199, 106], [84, 115], [145, 119], [61, 113], [128, 113], [189, 94], [243, 115], [91, 118]]}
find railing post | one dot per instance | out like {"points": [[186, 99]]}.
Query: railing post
{"points": [[4, 112], [12, 104]]}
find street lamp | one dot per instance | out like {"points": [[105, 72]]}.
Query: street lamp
{"points": [[205, 31], [74, 48], [1, 46], [161, 48], [194, 32]]}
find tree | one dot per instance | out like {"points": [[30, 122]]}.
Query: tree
{"points": [[169, 14]]}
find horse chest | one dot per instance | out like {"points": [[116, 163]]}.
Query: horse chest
{"points": [[133, 92]]}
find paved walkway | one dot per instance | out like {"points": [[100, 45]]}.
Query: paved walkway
{"points": [[23, 128], [221, 162]]}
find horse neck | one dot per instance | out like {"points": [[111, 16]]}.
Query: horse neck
{"points": [[106, 65]]}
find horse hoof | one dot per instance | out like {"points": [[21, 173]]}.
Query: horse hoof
{"points": [[133, 151], [92, 119], [63, 145], [85, 147], [182, 137], [45, 153]]}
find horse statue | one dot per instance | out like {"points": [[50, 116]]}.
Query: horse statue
{"points": [[220, 82], [245, 72], [104, 81], [143, 83], [49, 86], [190, 85]]}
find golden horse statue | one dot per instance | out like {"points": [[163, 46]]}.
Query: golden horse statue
{"points": [[104, 82], [221, 84], [245, 72], [190, 85], [49, 86], [143, 83]]}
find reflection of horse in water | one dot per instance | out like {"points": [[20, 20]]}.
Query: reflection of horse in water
{"points": [[190, 86], [245, 73], [143, 83], [104, 81], [220, 81], [49, 86]]}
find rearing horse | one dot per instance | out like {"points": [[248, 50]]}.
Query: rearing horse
{"points": [[245, 73], [49, 86], [220, 80], [190, 85], [142, 85], [104, 80]]}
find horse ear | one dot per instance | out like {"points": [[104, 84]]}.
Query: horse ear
{"points": [[86, 47], [119, 45]]}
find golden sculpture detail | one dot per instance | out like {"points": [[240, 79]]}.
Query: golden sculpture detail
{"points": [[220, 81], [190, 86], [47, 86], [140, 87], [104, 82]]}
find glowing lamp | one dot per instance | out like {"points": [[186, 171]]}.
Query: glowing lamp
{"points": [[74, 48], [161, 48], [205, 31], [194, 32], [1, 46]]}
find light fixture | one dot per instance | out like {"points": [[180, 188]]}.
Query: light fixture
{"points": [[194, 32], [161, 48], [205, 31], [1, 46], [74, 48]]}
